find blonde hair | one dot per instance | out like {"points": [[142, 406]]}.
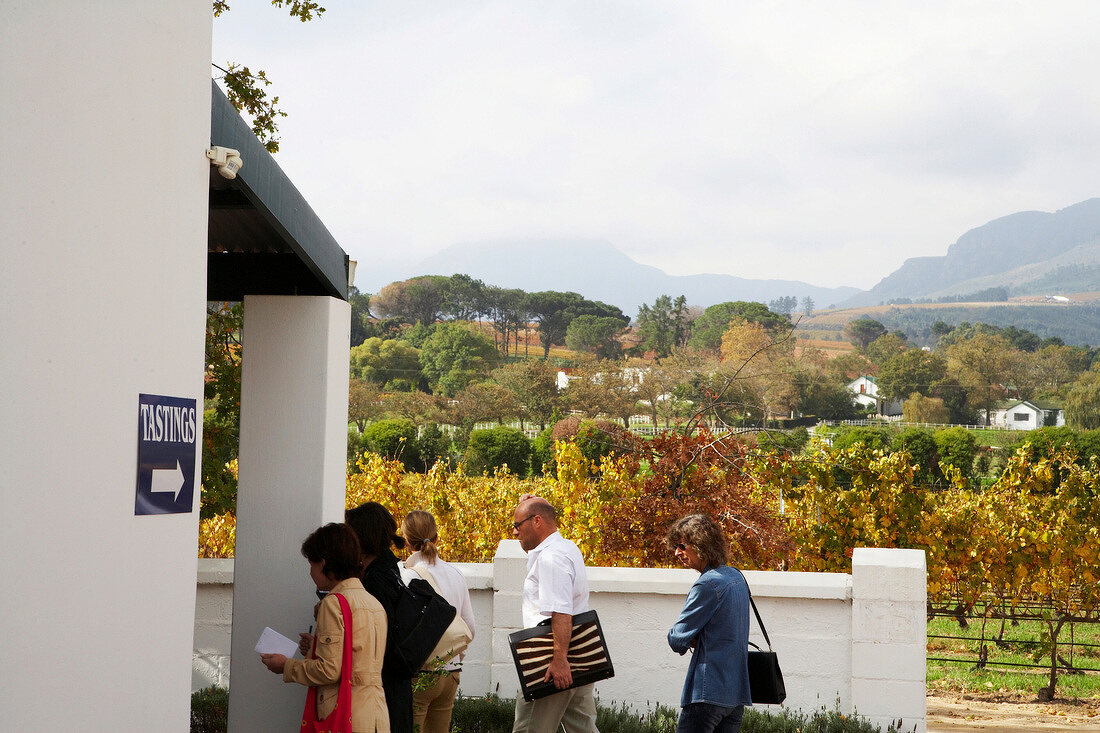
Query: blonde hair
{"points": [[421, 534]]}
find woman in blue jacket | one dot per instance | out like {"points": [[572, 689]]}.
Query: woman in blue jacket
{"points": [[715, 626]]}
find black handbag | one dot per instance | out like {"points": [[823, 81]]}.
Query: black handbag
{"points": [[421, 617], [533, 648], [765, 677]]}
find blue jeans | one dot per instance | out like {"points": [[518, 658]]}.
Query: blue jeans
{"points": [[702, 717]]}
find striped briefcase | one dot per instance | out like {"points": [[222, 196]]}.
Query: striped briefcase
{"points": [[533, 648]]}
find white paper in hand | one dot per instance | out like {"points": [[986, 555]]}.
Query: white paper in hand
{"points": [[272, 642]]}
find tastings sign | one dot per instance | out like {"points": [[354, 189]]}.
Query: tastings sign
{"points": [[167, 436]]}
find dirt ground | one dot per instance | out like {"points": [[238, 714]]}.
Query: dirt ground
{"points": [[1009, 713]]}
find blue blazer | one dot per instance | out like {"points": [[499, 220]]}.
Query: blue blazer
{"points": [[716, 618]]}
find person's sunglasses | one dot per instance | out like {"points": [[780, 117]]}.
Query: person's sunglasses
{"points": [[681, 546], [515, 525]]}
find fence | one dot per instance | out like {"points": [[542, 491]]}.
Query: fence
{"points": [[857, 639], [1071, 651], [887, 420]]}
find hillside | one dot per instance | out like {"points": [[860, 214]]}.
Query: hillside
{"points": [[1030, 252], [1076, 322]]}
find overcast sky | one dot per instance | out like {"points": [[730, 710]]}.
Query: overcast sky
{"points": [[824, 142]]}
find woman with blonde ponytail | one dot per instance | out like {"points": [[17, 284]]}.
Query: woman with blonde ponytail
{"points": [[432, 706]]}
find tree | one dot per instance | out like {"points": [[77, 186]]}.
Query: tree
{"points": [[862, 331], [221, 423], [921, 447], [534, 384], [620, 384], [1083, 402], [482, 401], [984, 364], [598, 335], [360, 315], [507, 308], [664, 326], [784, 305], [921, 409], [417, 300], [654, 386], [761, 369], [707, 329], [364, 402], [807, 306], [386, 362], [849, 366], [884, 348], [489, 450], [655, 326], [420, 407], [1053, 367], [248, 92], [939, 328], [554, 311], [913, 370], [454, 356], [820, 392], [602, 388], [394, 439], [463, 297], [957, 447]]}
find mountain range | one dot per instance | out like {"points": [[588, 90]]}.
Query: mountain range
{"points": [[598, 271], [1026, 253]]}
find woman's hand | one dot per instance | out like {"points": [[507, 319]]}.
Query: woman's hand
{"points": [[305, 643], [275, 662]]}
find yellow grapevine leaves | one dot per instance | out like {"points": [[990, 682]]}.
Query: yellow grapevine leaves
{"points": [[1033, 535]]}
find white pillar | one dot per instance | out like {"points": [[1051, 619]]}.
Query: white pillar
{"points": [[889, 636], [294, 419], [509, 572], [104, 124]]}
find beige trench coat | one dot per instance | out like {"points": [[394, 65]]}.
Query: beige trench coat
{"points": [[368, 703]]}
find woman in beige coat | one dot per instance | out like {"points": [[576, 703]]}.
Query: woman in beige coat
{"points": [[333, 555]]}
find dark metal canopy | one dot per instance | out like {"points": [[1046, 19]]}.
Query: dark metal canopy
{"points": [[264, 239]]}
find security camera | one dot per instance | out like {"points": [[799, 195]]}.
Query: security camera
{"points": [[228, 160]]}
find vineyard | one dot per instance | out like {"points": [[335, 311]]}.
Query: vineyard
{"points": [[1032, 538]]}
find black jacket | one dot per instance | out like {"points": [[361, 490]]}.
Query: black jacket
{"points": [[382, 580]]}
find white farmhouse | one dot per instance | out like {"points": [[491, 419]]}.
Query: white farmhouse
{"points": [[865, 388], [1026, 415]]}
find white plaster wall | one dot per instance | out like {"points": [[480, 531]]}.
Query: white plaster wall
{"points": [[292, 479], [853, 640], [104, 121]]}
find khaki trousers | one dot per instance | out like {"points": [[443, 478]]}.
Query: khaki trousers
{"points": [[575, 709], [432, 706]]}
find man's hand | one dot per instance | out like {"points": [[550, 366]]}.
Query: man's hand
{"points": [[561, 625], [559, 671], [275, 662]]}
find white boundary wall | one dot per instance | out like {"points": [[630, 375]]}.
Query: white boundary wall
{"points": [[857, 640]]}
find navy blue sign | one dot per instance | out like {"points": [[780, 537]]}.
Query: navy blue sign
{"points": [[167, 434]]}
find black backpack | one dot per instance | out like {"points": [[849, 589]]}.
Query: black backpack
{"points": [[420, 618]]}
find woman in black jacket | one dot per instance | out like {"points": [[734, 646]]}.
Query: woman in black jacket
{"points": [[377, 532]]}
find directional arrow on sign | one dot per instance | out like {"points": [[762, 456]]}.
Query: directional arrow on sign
{"points": [[168, 481]]}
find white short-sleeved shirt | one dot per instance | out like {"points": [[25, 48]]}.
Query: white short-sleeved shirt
{"points": [[556, 581], [452, 586]]}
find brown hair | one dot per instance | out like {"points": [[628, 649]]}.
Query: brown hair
{"points": [[337, 546], [703, 534], [375, 527], [421, 534]]}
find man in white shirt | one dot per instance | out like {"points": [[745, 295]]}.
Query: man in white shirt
{"points": [[556, 587]]}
